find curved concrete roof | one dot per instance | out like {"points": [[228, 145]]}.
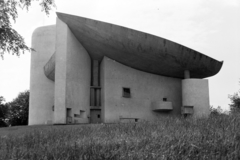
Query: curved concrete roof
{"points": [[139, 50]]}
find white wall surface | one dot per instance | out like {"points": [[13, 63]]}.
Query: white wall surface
{"points": [[195, 93], [41, 88], [72, 76], [145, 89], [60, 72], [78, 78]]}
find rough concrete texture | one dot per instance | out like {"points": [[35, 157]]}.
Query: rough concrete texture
{"points": [[145, 89], [41, 88], [72, 76], [195, 93], [139, 50]]}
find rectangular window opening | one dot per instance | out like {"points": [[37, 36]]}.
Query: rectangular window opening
{"points": [[126, 92]]}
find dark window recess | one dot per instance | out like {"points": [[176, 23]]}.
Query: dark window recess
{"points": [[164, 99], [77, 115], [126, 92], [98, 116]]}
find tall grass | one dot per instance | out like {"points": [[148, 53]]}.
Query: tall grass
{"points": [[169, 138]]}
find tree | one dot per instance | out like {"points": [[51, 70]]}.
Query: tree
{"points": [[18, 109], [216, 111], [10, 40], [235, 103], [3, 112]]}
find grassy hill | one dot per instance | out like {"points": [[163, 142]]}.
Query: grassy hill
{"points": [[217, 137]]}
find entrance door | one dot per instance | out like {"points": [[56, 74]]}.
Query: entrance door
{"points": [[69, 117], [95, 116]]}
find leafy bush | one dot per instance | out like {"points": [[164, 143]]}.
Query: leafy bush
{"points": [[16, 112], [2, 123], [235, 103], [216, 111], [3, 112]]}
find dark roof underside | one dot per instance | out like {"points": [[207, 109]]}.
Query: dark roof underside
{"points": [[139, 50]]}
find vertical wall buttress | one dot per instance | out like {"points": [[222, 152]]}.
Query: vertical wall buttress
{"points": [[95, 89], [72, 77]]}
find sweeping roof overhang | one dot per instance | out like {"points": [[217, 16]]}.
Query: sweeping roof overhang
{"points": [[139, 50]]}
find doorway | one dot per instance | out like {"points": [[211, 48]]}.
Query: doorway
{"points": [[68, 116], [95, 116]]}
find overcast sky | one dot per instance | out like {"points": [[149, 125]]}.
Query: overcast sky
{"points": [[211, 27]]}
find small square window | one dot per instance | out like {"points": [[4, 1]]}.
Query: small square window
{"points": [[164, 99], [126, 92]]}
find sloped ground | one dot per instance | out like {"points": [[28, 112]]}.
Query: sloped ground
{"points": [[169, 138]]}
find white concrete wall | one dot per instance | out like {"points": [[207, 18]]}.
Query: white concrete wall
{"points": [[102, 84], [72, 75], [60, 72], [78, 78], [145, 89], [195, 93], [41, 88]]}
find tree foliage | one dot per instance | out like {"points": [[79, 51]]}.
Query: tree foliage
{"points": [[3, 112], [216, 111], [15, 112], [235, 102], [18, 109], [10, 40]]}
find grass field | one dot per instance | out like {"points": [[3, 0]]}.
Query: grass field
{"points": [[169, 138]]}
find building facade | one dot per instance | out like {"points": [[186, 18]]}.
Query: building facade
{"points": [[87, 71]]}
